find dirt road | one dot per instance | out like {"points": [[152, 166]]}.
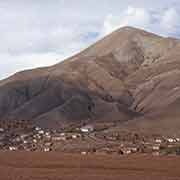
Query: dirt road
{"points": [[56, 166]]}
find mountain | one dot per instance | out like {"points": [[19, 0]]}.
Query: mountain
{"points": [[131, 77]]}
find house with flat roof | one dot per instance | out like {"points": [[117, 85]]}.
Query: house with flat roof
{"points": [[87, 128]]}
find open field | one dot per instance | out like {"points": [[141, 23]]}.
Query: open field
{"points": [[55, 166]]}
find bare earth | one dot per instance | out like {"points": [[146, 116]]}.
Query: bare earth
{"points": [[56, 166]]}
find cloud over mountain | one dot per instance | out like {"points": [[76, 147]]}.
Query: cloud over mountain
{"points": [[40, 33], [165, 22]]}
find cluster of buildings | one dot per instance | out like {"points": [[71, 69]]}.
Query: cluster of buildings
{"points": [[38, 139], [35, 140], [134, 143]]}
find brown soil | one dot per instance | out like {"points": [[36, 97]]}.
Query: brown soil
{"points": [[56, 166]]}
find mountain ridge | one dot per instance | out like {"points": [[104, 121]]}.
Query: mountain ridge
{"points": [[130, 74]]}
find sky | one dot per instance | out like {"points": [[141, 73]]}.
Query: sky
{"points": [[36, 33]]}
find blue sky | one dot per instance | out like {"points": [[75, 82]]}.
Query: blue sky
{"points": [[44, 32]]}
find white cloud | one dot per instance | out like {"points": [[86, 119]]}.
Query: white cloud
{"points": [[11, 64], [164, 22], [132, 17], [39, 33], [170, 20]]}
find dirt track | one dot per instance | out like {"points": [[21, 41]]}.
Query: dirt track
{"points": [[55, 166]]}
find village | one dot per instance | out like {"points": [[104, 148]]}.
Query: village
{"points": [[87, 140]]}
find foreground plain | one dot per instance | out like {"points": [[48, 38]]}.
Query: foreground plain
{"points": [[56, 166]]}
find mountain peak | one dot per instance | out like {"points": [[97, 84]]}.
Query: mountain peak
{"points": [[134, 30], [129, 28], [129, 75], [124, 37]]}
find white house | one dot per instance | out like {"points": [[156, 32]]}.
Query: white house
{"points": [[34, 140], [12, 148], [37, 128], [171, 140], [40, 132], [134, 149], [1, 130], [47, 133], [86, 129], [83, 153], [127, 151], [46, 149], [62, 134], [158, 141], [25, 142], [75, 136]]}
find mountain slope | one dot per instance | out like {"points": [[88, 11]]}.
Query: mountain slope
{"points": [[130, 74]]}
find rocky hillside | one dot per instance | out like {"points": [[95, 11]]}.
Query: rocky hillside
{"points": [[131, 77]]}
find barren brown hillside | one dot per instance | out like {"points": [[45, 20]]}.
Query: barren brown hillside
{"points": [[130, 76]]}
